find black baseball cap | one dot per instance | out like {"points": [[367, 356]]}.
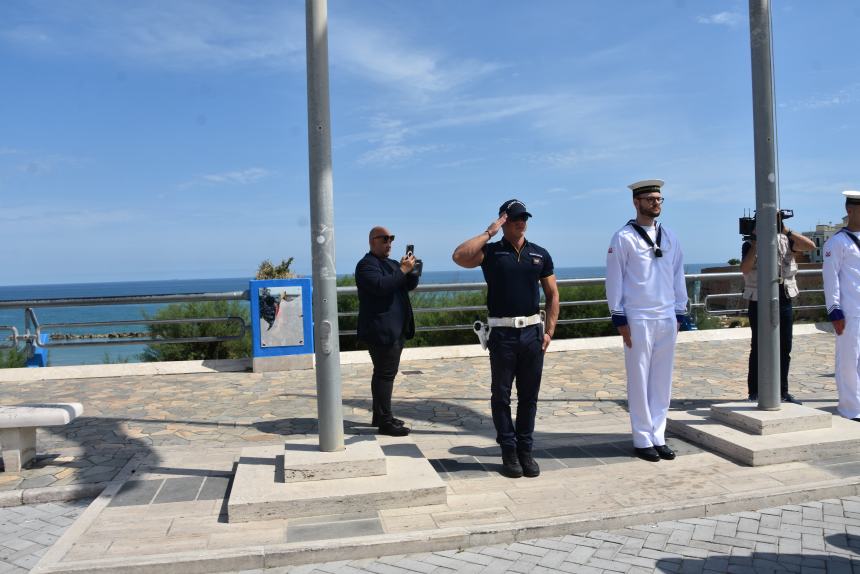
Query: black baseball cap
{"points": [[514, 208]]}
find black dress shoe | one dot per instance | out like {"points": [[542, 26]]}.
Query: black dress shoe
{"points": [[789, 398], [649, 454], [665, 452], [753, 397], [511, 464], [530, 466], [394, 420], [393, 430]]}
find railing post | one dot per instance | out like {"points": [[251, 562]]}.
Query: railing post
{"points": [[766, 208], [326, 332]]}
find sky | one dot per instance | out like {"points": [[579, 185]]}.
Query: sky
{"points": [[168, 138]]}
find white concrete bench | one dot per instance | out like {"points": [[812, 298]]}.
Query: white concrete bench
{"points": [[18, 429]]}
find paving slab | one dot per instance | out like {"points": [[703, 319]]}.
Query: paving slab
{"points": [[790, 417], [840, 438]]}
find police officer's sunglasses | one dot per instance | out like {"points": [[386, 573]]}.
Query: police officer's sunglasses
{"points": [[519, 218], [652, 200], [384, 238]]}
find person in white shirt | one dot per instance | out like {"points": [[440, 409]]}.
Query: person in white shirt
{"points": [[647, 297], [841, 272]]}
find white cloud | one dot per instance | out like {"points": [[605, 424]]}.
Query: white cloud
{"points": [[821, 101], [164, 33], [392, 154], [241, 177], [380, 56], [730, 19], [236, 177]]}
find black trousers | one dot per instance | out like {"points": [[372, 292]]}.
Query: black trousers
{"points": [[786, 323], [515, 354], [386, 361]]}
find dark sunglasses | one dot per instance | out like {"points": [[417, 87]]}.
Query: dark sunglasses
{"points": [[384, 238], [519, 218]]}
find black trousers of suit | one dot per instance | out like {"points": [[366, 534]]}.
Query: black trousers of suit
{"points": [[386, 361], [786, 324]]}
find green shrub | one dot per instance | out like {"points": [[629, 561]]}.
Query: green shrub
{"points": [[235, 349], [13, 358]]}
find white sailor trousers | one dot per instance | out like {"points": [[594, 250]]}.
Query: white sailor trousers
{"points": [[649, 364], [847, 367]]}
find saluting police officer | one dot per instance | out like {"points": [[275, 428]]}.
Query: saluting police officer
{"points": [[514, 269], [647, 297], [841, 272]]}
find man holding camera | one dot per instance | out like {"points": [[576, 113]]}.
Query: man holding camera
{"points": [[515, 270], [647, 297], [787, 244], [841, 272], [385, 320]]}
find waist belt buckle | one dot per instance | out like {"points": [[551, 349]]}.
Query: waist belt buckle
{"points": [[519, 322]]}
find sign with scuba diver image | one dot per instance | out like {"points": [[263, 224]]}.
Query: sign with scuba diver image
{"points": [[281, 316]]}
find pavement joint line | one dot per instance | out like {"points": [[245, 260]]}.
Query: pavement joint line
{"points": [[56, 552], [305, 552]]}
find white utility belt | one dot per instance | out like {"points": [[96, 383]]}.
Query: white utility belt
{"points": [[517, 322]]}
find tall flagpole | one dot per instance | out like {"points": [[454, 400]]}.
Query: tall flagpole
{"points": [[764, 122], [326, 332]]}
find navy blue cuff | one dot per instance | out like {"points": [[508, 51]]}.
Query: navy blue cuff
{"points": [[619, 320], [836, 315]]}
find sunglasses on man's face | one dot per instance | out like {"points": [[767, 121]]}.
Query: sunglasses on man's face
{"points": [[384, 238], [519, 218]]}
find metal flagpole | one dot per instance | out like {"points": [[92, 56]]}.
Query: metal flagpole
{"points": [[326, 332], [764, 122]]}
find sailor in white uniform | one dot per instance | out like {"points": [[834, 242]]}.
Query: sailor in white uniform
{"points": [[841, 271], [647, 297]]}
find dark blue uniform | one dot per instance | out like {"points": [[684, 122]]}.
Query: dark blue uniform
{"points": [[513, 290]]}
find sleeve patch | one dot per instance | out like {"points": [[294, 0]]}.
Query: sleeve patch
{"points": [[827, 254], [610, 250]]}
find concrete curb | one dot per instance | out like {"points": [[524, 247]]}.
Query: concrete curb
{"points": [[358, 357], [51, 494], [271, 556]]}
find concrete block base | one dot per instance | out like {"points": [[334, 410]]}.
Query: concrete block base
{"points": [[746, 416], [697, 426], [302, 460], [19, 447], [282, 363], [257, 494]]}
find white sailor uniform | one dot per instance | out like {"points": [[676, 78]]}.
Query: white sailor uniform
{"points": [[841, 272], [649, 294]]}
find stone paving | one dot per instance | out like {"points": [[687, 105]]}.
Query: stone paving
{"points": [[439, 398], [185, 432], [817, 537], [26, 532]]}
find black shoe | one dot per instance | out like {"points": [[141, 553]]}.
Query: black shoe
{"points": [[649, 454], [393, 430], [789, 398], [394, 420], [530, 466], [511, 464], [753, 397], [665, 452]]}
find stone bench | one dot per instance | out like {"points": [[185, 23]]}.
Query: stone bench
{"points": [[18, 428]]}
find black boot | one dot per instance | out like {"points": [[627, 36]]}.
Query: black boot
{"points": [[374, 421], [530, 466], [511, 464], [391, 429]]}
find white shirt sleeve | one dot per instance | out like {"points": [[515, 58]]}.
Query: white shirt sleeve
{"points": [[680, 282], [615, 262], [833, 254]]}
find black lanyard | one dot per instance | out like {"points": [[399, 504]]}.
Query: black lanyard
{"points": [[852, 236], [644, 235]]}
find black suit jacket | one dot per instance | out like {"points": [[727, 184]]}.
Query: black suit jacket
{"points": [[384, 309]]}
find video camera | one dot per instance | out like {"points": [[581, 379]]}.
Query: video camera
{"points": [[746, 224]]}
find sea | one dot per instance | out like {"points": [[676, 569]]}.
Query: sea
{"points": [[131, 353]]}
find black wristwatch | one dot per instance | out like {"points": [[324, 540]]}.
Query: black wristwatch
{"points": [[789, 233]]}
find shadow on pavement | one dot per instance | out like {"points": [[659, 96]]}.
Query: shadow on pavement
{"points": [[823, 561]]}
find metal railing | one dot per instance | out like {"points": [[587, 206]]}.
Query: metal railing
{"points": [[34, 330]]}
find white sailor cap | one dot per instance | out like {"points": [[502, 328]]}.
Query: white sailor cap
{"points": [[646, 186], [852, 197]]}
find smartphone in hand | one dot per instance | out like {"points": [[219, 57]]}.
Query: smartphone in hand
{"points": [[410, 250]]}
